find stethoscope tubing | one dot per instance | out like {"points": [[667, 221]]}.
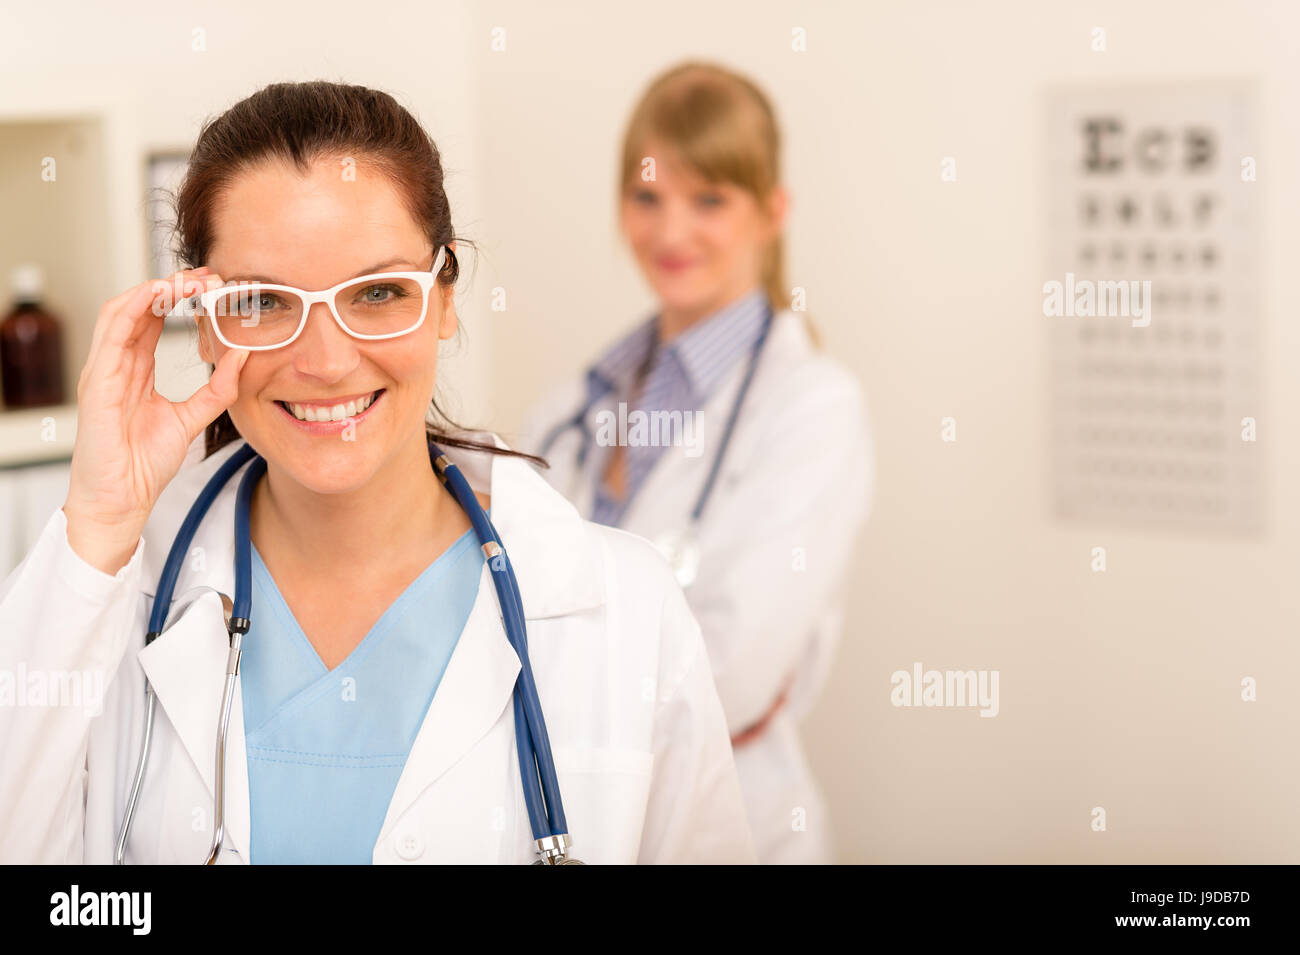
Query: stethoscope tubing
{"points": [[237, 627], [181, 545], [545, 810], [579, 419], [536, 762], [158, 619]]}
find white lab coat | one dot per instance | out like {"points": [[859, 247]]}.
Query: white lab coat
{"points": [[775, 540], [640, 742]]}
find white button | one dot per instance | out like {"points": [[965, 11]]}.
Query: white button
{"points": [[410, 846]]}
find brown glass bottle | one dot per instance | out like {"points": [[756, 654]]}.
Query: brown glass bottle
{"points": [[31, 347]]}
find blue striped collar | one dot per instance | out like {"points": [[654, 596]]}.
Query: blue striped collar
{"points": [[704, 352]]}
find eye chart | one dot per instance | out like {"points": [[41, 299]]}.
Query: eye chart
{"points": [[1152, 301]]}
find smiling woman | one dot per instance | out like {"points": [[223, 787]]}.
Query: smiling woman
{"points": [[399, 645], [731, 353], [364, 150]]}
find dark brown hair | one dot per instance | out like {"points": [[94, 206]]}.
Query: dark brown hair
{"points": [[301, 123]]}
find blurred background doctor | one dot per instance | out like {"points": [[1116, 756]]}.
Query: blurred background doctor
{"points": [[718, 429]]}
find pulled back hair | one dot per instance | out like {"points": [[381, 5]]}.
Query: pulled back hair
{"points": [[722, 125], [301, 123]]}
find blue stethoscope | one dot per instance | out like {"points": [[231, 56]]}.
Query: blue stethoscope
{"points": [[536, 764], [680, 548]]}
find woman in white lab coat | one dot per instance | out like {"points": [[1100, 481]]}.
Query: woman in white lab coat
{"points": [[701, 206], [311, 185]]}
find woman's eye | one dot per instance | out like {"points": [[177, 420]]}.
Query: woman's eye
{"points": [[644, 197], [709, 200], [380, 294]]}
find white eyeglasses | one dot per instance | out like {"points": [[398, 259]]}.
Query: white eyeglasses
{"points": [[258, 316]]}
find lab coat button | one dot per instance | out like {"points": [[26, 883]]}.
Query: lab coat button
{"points": [[410, 846]]}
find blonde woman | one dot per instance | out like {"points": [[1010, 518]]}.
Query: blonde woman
{"points": [[719, 429]]}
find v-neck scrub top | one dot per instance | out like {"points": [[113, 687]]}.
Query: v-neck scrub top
{"points": [[326, 747]]}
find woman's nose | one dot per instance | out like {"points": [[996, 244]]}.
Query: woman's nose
{"points": [[324, 349], [674, 223]]}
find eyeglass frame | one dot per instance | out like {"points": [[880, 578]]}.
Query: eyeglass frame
{"points": [[426, 279]]}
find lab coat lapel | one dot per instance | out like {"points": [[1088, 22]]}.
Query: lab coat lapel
{"points": [[555, 559], [474, 692], [186, 667], [186, 664], [554, 563]]}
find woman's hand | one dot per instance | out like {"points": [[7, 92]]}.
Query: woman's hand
{"points": [[131, 440]]}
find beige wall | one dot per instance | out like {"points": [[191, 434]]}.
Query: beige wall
{"points": [[1119, 689]]}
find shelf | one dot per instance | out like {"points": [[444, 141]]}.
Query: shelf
{"points": [[31, 436]]}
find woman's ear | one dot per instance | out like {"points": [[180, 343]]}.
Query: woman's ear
{"points": [[447, 323]]}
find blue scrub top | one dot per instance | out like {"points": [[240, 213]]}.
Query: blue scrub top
{"points": [[326, 747]]}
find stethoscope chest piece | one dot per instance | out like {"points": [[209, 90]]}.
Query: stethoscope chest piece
{"points": [[682, 551], [554, 850]]}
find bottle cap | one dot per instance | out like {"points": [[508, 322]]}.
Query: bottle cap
{"points": [[28, 284]]}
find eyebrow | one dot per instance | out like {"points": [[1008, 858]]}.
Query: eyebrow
{"points": [[380, 267]]}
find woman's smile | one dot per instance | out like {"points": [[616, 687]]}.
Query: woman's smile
{"points": [[330, 416]]}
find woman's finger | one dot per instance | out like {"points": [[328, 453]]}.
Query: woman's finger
{"points": [[135, 317], [95, 366], [130, 302], [195, 282]]}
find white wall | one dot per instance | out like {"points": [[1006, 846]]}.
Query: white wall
{"points": [[1118, 690]]}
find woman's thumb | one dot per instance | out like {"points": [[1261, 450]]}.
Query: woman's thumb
{"points": [[218, 394], [230, 386]]}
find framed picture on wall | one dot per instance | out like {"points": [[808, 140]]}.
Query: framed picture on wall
{"points": [[164, 170]]}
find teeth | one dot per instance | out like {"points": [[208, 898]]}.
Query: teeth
{"points": [[336, 413]]}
